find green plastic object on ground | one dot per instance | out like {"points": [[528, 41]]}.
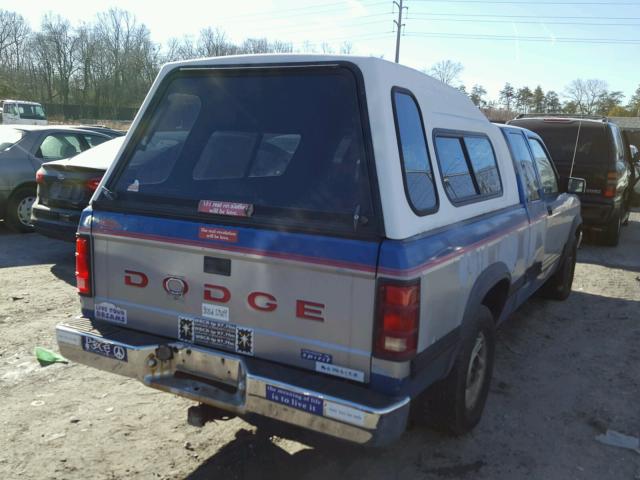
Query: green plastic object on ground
{"points": [[47, 357]]}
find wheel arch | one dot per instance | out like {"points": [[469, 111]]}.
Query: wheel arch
{"points": [[490, 289], [30, 184]]}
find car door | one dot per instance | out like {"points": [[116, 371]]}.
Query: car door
{"points": [[536, 207], [558, 218]]}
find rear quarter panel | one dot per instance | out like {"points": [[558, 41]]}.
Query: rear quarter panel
{"points": [[450, 260]]}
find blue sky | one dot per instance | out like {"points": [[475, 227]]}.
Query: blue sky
{"points": [[461, 30]]}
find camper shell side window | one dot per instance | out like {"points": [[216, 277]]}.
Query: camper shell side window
{"points": [[468, 166], [417, 171]]}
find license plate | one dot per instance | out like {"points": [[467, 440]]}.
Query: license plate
{"points": [[106, 349]]}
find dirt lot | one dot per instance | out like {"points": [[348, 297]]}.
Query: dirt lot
{"points": [[564, 373]]}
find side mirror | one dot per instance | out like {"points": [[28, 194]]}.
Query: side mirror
{"points": [[576, 185], [635, 153]]}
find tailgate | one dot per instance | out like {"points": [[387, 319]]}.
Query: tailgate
{"points": [[298, 299]]}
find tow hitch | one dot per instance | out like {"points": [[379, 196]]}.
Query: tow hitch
{"points": [[199, 415]]}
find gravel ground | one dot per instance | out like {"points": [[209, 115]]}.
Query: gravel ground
{"points": [[564, 373]]}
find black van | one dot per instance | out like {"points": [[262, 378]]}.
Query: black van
{"points": [[591, 148]]}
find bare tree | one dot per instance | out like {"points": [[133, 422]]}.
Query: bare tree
{"points": [[586, 94], [62, 42], [278, 46], [255, 45], [447, 71], [346, 48], [326, 48], [180, 49], [42, 63], [213, 43], [14, 33], [127, 55]]}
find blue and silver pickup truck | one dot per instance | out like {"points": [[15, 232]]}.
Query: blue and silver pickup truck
{"points": [[325, 241]]}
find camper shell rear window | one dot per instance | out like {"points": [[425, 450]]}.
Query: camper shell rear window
{"points": [[291, 143]]}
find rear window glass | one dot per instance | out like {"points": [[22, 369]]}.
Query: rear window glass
{"points": [[9, 137], [288, 142], [59, 146], [593, 145]]}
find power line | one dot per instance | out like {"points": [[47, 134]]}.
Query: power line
{"points": [[486, 15], [537, 2], [297, 11], [535, 22], [368, 36], [296, 29], [612, 41]]}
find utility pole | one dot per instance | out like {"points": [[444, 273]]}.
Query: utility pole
{"points": [[399, 26]]}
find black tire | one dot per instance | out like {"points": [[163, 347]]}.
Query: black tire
{"points": [[558, 286], [454, 404], [18, 207], [611, 236], [627, 217]]}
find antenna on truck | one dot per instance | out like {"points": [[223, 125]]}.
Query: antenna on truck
{"points": [[575, 149]]}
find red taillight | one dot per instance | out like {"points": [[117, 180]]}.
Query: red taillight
{"points": [[397, 320], [83, 266], [40, 176], [612, 185], [93, 184]]}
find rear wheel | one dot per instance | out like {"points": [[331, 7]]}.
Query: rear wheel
{"points": [[19, 210], [456, 403], [558, 286], [611, 235]]}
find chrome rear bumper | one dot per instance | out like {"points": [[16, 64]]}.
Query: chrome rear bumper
{"points": [[238, 384]]}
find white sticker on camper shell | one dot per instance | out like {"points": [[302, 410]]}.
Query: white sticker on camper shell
{"points": [[110, 313], [339, 371], [343, 413]]}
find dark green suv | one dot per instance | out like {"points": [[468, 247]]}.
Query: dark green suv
{"points": [[591, 148]]}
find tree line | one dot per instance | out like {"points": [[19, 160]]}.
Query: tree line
{"points": [[110, 62], [585, 97]]}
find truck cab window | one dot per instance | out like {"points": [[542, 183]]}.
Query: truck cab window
{"points": [[523, 158], [545, 169]]}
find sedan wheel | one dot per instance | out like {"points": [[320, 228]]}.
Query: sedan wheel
{"points": [[24, 211]]}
